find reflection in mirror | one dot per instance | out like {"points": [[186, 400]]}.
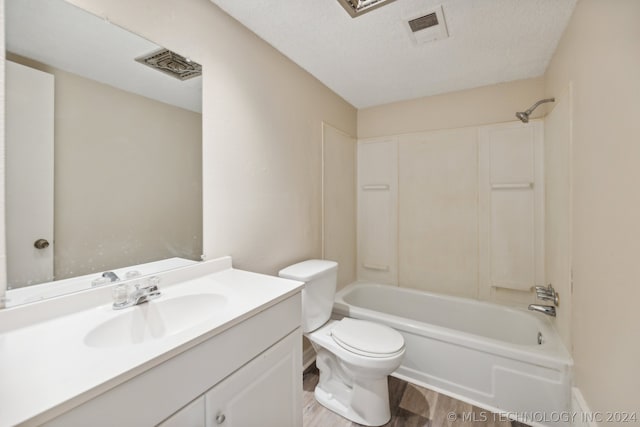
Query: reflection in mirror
{"points": [[103, 153]]}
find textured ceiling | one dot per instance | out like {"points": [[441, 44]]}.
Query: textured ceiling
{"points": [[371, 60]]}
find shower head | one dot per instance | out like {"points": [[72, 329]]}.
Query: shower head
{"points": [[524, 115]]}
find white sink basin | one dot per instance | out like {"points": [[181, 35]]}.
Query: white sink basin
{"points": [[156, 319]]}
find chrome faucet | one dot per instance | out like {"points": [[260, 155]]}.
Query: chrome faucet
{"points": [[549, 310], [128, 295], [113, 277], [546, 294]]}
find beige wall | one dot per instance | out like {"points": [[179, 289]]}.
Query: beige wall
{"points": [[262, 131], [339, 202], [128, 177], [557, 154], [3, 252], [599, 55], [472, 107]]}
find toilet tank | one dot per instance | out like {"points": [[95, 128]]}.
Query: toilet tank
{"points": [[320, 278]]}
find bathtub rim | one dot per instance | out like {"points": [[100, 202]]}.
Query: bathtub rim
{"points": [[551, 354]]}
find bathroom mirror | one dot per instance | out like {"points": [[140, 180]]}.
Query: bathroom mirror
{"points": [[103, 152]]}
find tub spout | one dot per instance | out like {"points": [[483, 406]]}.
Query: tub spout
{"points": [[549, 310]]}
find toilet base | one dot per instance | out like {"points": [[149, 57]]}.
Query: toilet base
{"points": [[376, 415], [364, 401]]}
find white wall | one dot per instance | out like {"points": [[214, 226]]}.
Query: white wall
{"points": [[511, 211], [377, 192], [262, 131], [438, 211], [599, 56]]}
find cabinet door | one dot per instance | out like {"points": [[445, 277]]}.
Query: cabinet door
{"points": [[191, 415], [266, 391]]}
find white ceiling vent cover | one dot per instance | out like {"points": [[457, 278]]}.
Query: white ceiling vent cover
{"points": [[426, 25]]}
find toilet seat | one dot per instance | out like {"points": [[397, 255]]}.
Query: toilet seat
{"points": [[367, 338]]}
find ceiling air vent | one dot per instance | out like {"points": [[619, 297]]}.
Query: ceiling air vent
{"points": [[172, 64], [426, 26], [358, 7], [423, 22]]}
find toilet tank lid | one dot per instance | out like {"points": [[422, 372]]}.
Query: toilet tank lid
{"points": [[307, 270]]}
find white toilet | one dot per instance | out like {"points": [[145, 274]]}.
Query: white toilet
{"points": [[354, 356]]}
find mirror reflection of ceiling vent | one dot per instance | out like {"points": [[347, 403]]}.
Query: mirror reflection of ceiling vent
{"points": [[426, 25], [171, 64], [358, 7], [423, 22]]}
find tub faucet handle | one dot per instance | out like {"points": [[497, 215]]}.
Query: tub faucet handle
{"points": [[548, 294]]}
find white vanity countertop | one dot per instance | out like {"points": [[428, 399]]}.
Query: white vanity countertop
{"points": [[43, 291], [47, 365]]}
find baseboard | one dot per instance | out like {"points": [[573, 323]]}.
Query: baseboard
{"points": [[581, 411], [308, 357]]}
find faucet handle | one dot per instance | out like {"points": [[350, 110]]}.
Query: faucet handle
{"points": [[148, 283], [547, 294], [543, 294], [131, 274], [100, 281], [553, 298], [121, 294], [154, 281], [149, 287]]}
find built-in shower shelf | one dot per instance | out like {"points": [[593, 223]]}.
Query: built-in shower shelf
{"points": [[377, 267], [512, 186], [377, 187]]}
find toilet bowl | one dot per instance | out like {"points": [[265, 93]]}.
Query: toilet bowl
{"points": [[354, 357]]}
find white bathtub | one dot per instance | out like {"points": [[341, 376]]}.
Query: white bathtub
{"points": [[481, 353]]}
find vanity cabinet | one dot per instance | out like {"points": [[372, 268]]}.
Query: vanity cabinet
{"points": [[264, 392], [192, 415], [247, 375]]}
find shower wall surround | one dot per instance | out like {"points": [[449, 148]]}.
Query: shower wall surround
{"points": [[458, 211]]}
